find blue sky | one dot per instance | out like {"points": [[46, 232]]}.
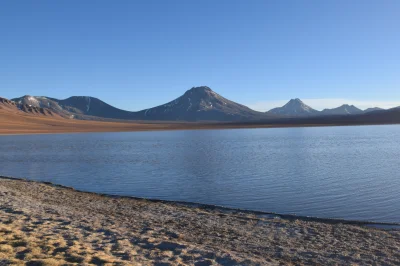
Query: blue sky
{"points": [[138, 54]]}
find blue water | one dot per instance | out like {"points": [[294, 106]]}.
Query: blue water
{"points": [[331, 172]]}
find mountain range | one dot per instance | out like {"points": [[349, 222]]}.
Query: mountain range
{"points": [[296, 108], [196, 104]]}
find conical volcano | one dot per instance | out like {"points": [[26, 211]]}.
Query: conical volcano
{"points": [[200, 104]]}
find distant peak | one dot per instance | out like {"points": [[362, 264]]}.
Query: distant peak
{"points": [[29, 97], [201, 88], [349, 106], [296, 100], [294, 107], [32, 98], [85, 97]]}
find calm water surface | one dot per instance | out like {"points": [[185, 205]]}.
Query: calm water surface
{"points": [[341, 172]]}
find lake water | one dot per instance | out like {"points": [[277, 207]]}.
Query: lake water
{"points": [[339, 172]]}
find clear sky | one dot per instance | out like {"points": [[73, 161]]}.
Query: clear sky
{"points": [[138, 54]]}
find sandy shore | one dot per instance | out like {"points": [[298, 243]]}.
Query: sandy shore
{"points": [[43, 224]]}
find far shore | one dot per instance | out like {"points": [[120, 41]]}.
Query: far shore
{"points": [[48, 224], [13, 124]]}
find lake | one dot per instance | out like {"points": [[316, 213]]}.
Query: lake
{"points": [[330, 172]]}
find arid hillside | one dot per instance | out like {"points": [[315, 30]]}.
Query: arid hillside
{"points": [[20, 123], [28, 119], [12, 107]]}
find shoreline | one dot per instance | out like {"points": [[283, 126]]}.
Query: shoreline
{"points": [[151, 127], [224, 209], [49, 224]]}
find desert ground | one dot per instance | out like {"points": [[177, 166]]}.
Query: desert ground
{"points": [[16, 123], [45, 224], [20, 123]]}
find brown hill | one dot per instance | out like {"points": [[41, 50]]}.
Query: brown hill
{"points": [[23, 123], [25, 109]]}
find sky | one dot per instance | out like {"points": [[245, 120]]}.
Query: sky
{"points": [[140, 54]]}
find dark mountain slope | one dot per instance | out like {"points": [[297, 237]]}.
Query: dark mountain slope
{"points": [[373, 109], [345, 109], [83, 105]]}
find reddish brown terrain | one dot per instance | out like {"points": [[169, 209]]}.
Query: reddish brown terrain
{"points": [[30, 120], [11, 107]]}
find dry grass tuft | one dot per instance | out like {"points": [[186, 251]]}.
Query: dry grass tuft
{"points": [[4, 248], [46, 262]]}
